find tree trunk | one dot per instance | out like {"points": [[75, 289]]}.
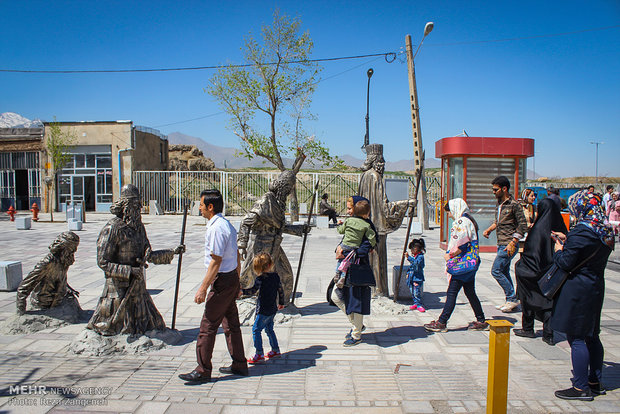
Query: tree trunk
{"points": [[294, 204], [50, 199]]}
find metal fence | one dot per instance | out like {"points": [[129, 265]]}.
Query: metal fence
{"points": [[172, 189]]}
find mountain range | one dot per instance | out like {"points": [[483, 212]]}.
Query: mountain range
{"points": [[224, 157], [13, 120]]}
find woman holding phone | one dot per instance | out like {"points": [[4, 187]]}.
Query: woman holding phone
{"points": [[578, 305]]}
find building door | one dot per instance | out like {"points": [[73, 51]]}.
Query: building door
{"points": [[89, 193], [21, 190], [84, 190]]}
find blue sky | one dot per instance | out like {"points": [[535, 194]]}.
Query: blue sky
{"points": [[562, 90]]}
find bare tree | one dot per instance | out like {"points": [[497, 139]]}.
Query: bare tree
{"points": [[58, 143]]}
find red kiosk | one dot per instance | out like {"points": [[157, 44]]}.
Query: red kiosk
{"points": [[468, 165]]}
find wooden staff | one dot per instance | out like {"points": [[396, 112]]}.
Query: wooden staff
{"points": [[402, 258], [303, 244], [176, 288]]}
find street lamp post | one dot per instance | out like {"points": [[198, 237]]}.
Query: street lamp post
{"points": [[367, 136], [596, 159], [418, 151]]}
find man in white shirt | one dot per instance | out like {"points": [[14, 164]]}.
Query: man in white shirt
{"points": [[223, 263]]}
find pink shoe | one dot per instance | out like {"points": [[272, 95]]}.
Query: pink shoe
{"points": [[413, 307], [421, 309]]}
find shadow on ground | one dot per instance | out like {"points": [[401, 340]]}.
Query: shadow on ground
{"points": [[287, 362], [395, 336], [317, 309]]}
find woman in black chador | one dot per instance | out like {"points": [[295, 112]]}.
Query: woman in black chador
{"points": [[536, 259]]}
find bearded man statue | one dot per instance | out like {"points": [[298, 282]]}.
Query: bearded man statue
{"points": [[261, 231], [47, 283], [386, 216], [123, 250]]}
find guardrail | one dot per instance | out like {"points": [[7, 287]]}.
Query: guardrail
{"points": [[172, 189]]}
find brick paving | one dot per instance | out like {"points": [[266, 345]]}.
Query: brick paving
{"points": [[437, 373]]}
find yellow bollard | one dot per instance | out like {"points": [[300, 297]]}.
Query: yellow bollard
{"points": [[499, 352]]}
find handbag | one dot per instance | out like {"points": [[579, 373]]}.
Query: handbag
{"points": [[360, 274], [465, 262], [555, 277], [346, 262]]}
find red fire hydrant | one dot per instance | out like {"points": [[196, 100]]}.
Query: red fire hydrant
{"points": [[35, 212], [11, 212]]}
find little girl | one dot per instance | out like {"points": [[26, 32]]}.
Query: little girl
{"points": [[614, 215], [415, 273], [269, 289]]}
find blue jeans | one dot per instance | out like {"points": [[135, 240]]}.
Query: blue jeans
{"points": [[416, 293], [587, 358], [501, 272], [264, 322]]}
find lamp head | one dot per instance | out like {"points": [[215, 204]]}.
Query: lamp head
{"points": [[428, 28], [370, 72]]}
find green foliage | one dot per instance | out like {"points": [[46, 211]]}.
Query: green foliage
{"points": [[268, 102], [58, 144]]}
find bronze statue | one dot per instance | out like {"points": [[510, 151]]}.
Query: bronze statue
{"points": [[386, 216], [261, 231], [123, 250], [47, 283]]}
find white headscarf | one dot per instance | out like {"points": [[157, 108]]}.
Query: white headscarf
{"points": [[463, 229]]}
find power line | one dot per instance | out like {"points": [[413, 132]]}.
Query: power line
{"points": [[189, 120], [389, 57], [315, 83]]}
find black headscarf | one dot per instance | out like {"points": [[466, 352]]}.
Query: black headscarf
{"points": [[537, 256]]}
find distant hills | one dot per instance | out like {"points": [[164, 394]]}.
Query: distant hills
{"points": [[224, 157]]}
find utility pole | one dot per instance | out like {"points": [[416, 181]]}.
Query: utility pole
{"points": [[418, 149], [597, 143]]}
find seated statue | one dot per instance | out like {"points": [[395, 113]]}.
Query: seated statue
{"points": [[47, 283]]}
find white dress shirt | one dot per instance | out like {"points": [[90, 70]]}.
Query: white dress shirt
{"points": [[221, 240]]}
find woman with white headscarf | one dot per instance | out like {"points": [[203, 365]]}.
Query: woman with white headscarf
{"points": [[462, 262]]}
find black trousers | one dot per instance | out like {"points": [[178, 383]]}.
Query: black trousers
{"points": [[529, 315], [333, 216], [470, 291]]}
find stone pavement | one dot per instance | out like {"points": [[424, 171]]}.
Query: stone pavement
{"points": [[445, 372]]}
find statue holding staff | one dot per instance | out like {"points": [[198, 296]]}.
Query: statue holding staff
{"points": [[261, 231], [386, 216], [123, 250]]}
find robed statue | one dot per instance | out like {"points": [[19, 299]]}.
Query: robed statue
{"points": [[386, 216], [261, 231], [123, 250]]}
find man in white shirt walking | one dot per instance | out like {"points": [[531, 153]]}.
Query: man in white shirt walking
{"points": [[223, 264]]}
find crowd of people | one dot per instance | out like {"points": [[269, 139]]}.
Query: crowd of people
{"points": [[575, 311]]}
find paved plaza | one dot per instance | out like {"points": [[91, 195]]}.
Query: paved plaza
{"points": [[399, 367]]}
